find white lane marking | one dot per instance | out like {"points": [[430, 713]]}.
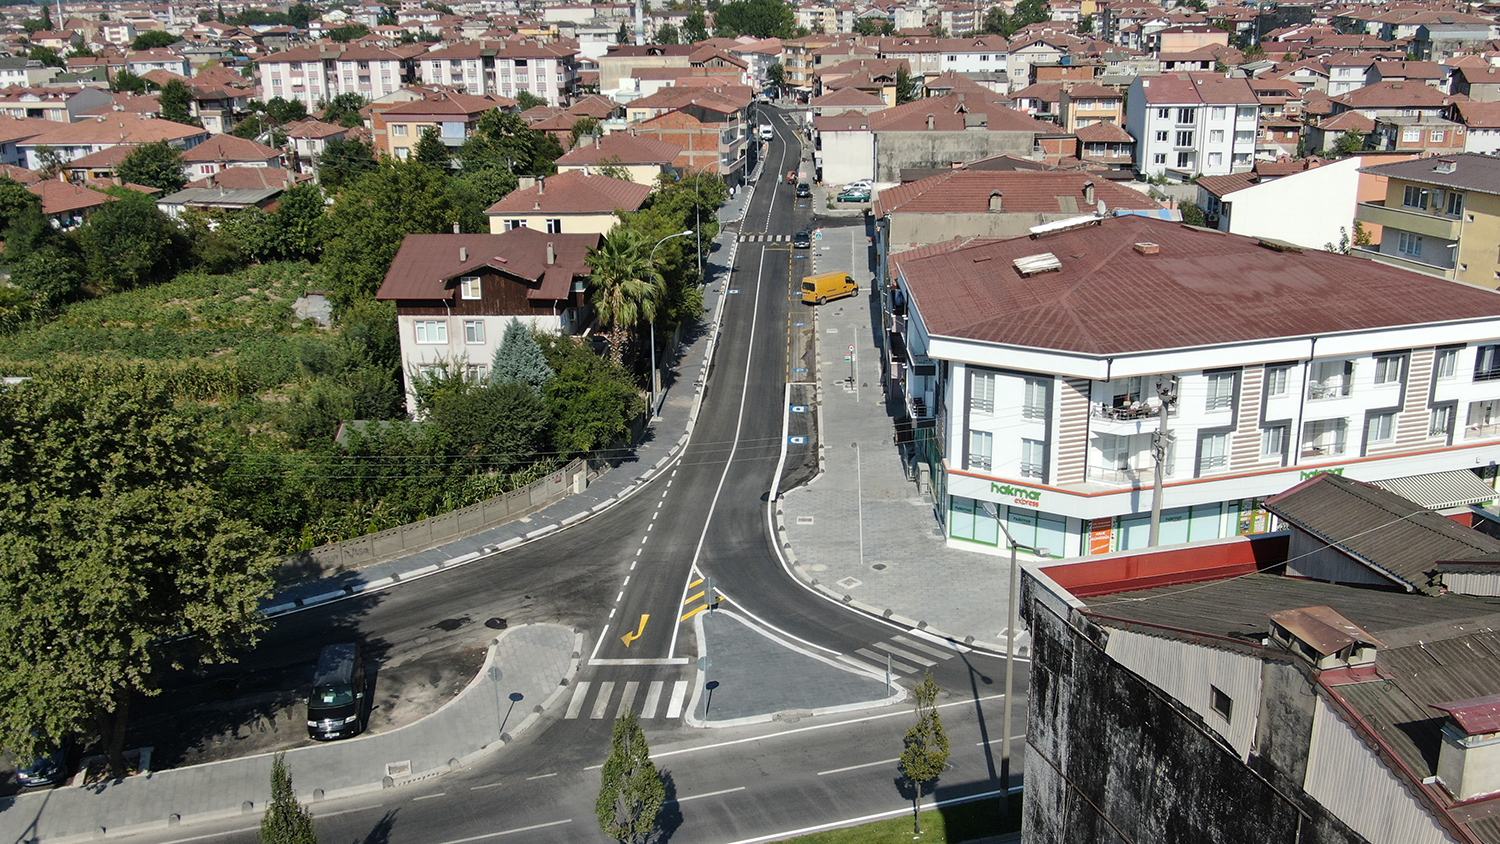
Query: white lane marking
{"points": [[612, 611], [619, 596], [349, 811], [627, 581], [896, 664], [489, 835], [600, 643], [601, 702], [483, 787], [709, 794], [653, 698], [580, 691], [926, 649], [674, 707], [847, 822], [627, 698], [864, 666], [430, 796], [907, 655], [858, 767], [541, 776], [632, 563]]}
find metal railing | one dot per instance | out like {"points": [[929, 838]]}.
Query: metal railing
{"points": [[1316, 392]]}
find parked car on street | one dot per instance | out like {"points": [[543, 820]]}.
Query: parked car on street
{"points": [[50, 768], [855, 195], [335, 707], [804, 190]]}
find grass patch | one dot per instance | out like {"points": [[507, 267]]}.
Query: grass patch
{"points": [[970, 821]]}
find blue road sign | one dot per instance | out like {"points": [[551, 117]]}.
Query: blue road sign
{"points": [[799, 408], [797, 440]]}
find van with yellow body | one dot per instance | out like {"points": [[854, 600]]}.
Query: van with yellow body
{"points": [[818, 289]]}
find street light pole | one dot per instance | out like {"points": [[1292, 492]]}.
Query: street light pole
{"points": [[650, 260], [1011, 601]]}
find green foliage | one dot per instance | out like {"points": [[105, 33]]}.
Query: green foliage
{"points": [[280, 110], [504, 140], [503, 422], [128, 243], [907, 88], [153, 39], [344, 110], [121, 559], [622, 35], [46, 55], [759, 18], [156, 165], [625, 285], [177, 103], [592, 400], [344, 160], [1349, 143], [527, 100], [1027, 12], [14, 199], [437, 7], [520, 360], [631, 793], [666, 34], [28, 231], [585, 127], [52, 276], [489, 183], [430, 150], [126, 82], [874, 26], [298, 14], [286, 821], [776, 75], [302, 215], [925, 755], [1346, 245], [695, 28], [1192, 214], [1086, 25], [350, 32]]}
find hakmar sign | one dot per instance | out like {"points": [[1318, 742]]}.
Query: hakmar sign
{"points": [[1018, 494]]}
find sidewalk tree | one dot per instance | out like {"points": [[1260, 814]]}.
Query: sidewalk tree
{"points": [[625, 286], [121, 559], [631, 793], [155, 165], [286, 821], [925, 756], [776, 76]]}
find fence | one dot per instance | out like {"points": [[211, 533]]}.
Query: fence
{"points": [[351, 554]]}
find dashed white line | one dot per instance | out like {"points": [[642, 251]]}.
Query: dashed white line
{"points": [[544, 776], [633, 562], [430, 796], [857, 767], [709, 794], [627, 581], [483, 787], [612, 612], [619, 596]]}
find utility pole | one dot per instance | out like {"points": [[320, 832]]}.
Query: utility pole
{"points": [[1161, 444]]}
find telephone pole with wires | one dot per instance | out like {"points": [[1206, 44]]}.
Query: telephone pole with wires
{"points": [[1161, 446]]}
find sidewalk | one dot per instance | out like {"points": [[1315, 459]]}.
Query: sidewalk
{"points": [[861, 529]]}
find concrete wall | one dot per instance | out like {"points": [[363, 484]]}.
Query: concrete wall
{"points": [[895, 151], [1307, 208], [571, 224], [847, 157], [911, 230]]}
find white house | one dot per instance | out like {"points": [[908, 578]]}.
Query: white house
{"points": [[1192, 124], [846, 147], [1310, 208]]}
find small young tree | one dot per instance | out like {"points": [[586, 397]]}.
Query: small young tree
{"points": [[430, 150], [926, 753], [520, 359], [286, 821], [632, 793], [177, 103], [1349, 143]]}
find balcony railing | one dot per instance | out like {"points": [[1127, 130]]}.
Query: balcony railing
{"points": [[1031, 470], [1127, 413], [1323, 449], [1318, 392], [1126, 476], [1476, 432], [1417, 221]]}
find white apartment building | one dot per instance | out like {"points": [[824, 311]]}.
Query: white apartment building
{"points": [[1029, 368], [548, 71], [319, 72], [979, 54], [143, 62], [1192, 124]]}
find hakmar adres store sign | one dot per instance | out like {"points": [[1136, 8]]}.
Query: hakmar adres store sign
{"points": [[1019, 495]]}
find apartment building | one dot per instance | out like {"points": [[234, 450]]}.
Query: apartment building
{"points": [[1192, 124], [1030, 367], [453, 116], [319, 72], [1439, 216], [506, 68]]}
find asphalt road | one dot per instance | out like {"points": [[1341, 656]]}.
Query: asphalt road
{"points": [[629, 570]]}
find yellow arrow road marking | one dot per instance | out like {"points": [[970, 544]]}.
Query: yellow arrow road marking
{"points": [[631, 637], [692, 599], [693, 613]]}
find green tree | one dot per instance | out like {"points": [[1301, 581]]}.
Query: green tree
{"points": [[489, 182], [520, 359], [625, 285], [52, 275], [997, 22], [286, 821], [526, 100], [907, 88], [46, 55], [283, 111], [1349, 143], [344, 160], [153, 39], [29, 231], [666, 34], [122, 560], [351, 32], [695, 28], [504, 423], [344, 110], [759, 18], [128, 83], [622, 35], [585, 127], [33, 25], [1086, 25], [1027, 13], [155, 165], [14, 199], [47, 18], [938, 32], [302, 215], [776, 76], [925, 755], [631, 793], [1192, 214], [592, 400], [177, 103], [874, 26], [504, 140], [127, 243], [430, 150]]}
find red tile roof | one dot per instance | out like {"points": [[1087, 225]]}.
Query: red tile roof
{"points": [[1203, 87], [573, 193], [446, 103], [954, 113], [229, 148], [1104, 132], [116, 128], [1394, 95], [623, 148], [20, 128], [62, 197], [427, 264], [1202, 288], [1022, 192], [846, 98]]}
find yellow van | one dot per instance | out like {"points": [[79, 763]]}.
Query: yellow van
{"points": [[817, 289]]}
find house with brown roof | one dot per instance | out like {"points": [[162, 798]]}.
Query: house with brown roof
{"points": [[309, 137], [1481, 123], [1476, 83], [453, 116], [572, 202], [842, 100], [1189, 124], [456, 293], [66, 205], [13, 130], [711, 132], [1393, 99], [75, 140], [643, 158], [222, 152], [1106, 144], [1071, 105]]}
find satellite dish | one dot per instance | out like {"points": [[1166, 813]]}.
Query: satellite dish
{"points": [[1101, 207]]}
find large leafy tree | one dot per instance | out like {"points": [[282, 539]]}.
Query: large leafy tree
{"points": [[502, 424], [625, 285], [128, 83], [503, 139], [156, 165], [592, 399], [302, 215], [153, 39], [526, 100], [925, 755], [776, 75], [127, 243], [760, 18], [666, 34], [177, 103], [695, 28], [118, 558], [344, 109], [14, 199], [430, 150], [343, 161], [52, 275], [631, 792]]}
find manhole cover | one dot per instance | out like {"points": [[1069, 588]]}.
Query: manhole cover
{"points": [[878, 567], [495, 623], [849, 582]]}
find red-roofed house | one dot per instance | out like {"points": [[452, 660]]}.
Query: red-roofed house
{"points": [[221, 152], [456, 293], [453, 116], [643, 158], [75, 140], [1190, 124], [711, 133], [67, 205], [572, 203]]}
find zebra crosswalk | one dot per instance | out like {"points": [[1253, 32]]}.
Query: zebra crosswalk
{"points": [[660, 700], [765, 238], [904, 654]]}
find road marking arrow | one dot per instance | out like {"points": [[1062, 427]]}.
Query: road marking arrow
{"points": [[631, 637]]}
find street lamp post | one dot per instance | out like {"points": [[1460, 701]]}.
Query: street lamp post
{"points": [[652, 259], [1011, 600]]}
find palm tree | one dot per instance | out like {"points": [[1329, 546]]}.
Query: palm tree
{"points": [[625, 287]]}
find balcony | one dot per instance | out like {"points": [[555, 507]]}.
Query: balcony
{"points": [[1480, 432], [1335, 390], [1408, 219], [1405, 262], [1125, 477], [1315, 450]]}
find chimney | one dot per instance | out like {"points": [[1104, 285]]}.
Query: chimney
{"points": [[997, 200], [541, 185], [1088, 192], [463, 254], [455, 227], [1324, 638], [1466, 760], [525, 182], [931, 122], [551, 254]]}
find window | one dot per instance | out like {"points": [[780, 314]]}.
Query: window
{"points": [[476, 372], [1184, 139], [1484, 419], [515, 224], [432, 331], [1276, 380], [1380, 428], [1162, 136], [1216, 136], [1159, 158], [554, 227], [1273, 441], [1440, 422], [1455, 205], [468, 287], [1216, 113], [1415, 197], [1437, 136], [1330, 379], [1164, 113], [1487, 363], [1184, 159], [473, 331], [1187, 115], [1445, 365], [1211, 452], [981, 450], [1215, 159], [1033, 459], [398, 129], [1411, 136], [1388, 368], [1220, 390], [1220, 703], [1325, 437], [1035, 404], [1409, 244], [982, 392]]}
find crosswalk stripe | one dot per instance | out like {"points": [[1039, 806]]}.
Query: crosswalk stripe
{"points": [[926, 649], [895, 664], [674, 707], [904, 654], [863, 666], [653, 697], [580, 690], [627, 699], [601, 703]]}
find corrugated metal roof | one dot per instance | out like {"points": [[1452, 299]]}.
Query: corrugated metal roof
{"points": [[1475, 715], [1441, 490]]}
